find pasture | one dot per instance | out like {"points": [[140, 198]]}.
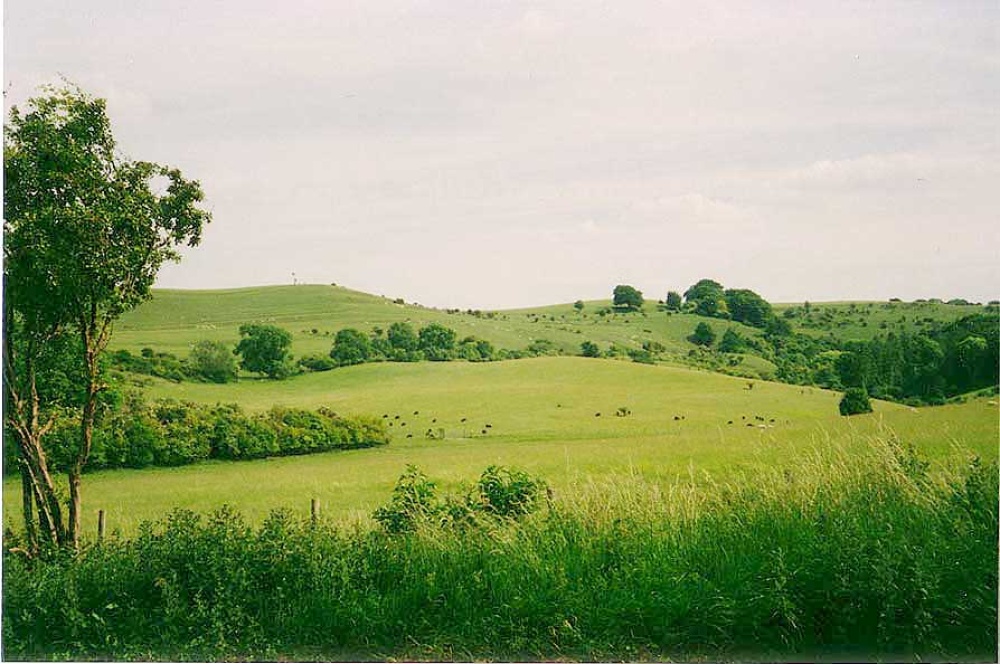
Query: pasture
{"points": [[540, 415]]}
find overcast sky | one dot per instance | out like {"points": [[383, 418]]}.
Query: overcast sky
{"points": [[499, 154]]}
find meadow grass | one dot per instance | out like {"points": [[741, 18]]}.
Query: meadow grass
{"points": [[858, 554], [542, 413]]}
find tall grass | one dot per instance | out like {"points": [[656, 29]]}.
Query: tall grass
{"points": [[870, 555]]}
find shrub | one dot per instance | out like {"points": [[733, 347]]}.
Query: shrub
{"points": [[350, 347], [507, 492], [317, 363], [855, 401], [414, 499], [213, 361], [589, 349]]}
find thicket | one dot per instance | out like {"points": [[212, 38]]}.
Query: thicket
{"points": [[869, 559], [133, 433]]}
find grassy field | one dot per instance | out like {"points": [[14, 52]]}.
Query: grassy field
{"points": [[174, 320], [543, 418]]}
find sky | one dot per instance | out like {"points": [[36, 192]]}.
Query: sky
{"points": [[504, 154]]}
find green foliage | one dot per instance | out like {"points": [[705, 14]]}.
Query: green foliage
{"points": [[350, 347], [151, 363], [732, 342], [264, 349], [703, 334], [317, 363], [414, 500], [627, 298], [213, 361], [507, 492], [589, 349], [402, 337], [838, 557], [704, 289], [541, 347], [475, 350], [578, 305], [673, 301], [855, 401], [748, 307], [437, 342]]}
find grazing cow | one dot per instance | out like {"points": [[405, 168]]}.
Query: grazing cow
{"points": [[416, 412], [409, 435], [597, 414]]}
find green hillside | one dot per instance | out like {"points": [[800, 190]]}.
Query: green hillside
{"points": [[865, 320], [543, 417], [174, 320]]}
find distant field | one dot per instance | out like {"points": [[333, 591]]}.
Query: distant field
{"points": [[865, 320], [174, 320], [542, 414]]}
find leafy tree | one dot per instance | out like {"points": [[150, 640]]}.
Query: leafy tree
{"points": [[705, 289], [748, 307], [673, 301], [855, 401], [85, 232], [627, 298], [437, 342], [214, 361], [578, 305], [589, 349], [732, 342], [703, 334], [402, 337], [265, 349], [350, 346]]}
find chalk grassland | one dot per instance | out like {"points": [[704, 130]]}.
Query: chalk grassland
{"points": [[542, 417], [174, 320]]}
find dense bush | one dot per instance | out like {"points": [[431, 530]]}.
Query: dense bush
{"points": [[500, 492], [213, 361], [870, 559], [855, 401], [136, 434]]}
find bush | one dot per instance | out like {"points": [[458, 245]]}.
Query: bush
{"points": [[703, 335], [265, 349], [855, 401], [350, 347], [213, 361], [589, 349], [506, 492], [317, 363]]}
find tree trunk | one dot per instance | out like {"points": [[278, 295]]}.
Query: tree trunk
{"points": [[27, 507]]}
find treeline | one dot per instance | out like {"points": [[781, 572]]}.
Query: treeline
{"points": [[135, 434], [958, 357]]}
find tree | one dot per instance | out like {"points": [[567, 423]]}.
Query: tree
{"points": [[748, 307], [855, 401], [703, 334], [437, 342], [85, 232], [705, 289], [589, 349], [673, 301], [264, 349], [214, 361], [578, 305], [402, 337], [627, 298], [732, 342], [350, 346]]}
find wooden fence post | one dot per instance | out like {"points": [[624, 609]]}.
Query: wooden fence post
{"points": [[100, 525], [314, 510]]}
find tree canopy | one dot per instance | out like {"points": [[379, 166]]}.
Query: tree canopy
{"points": [[627, 297], [265, 349], [85, 233]]}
